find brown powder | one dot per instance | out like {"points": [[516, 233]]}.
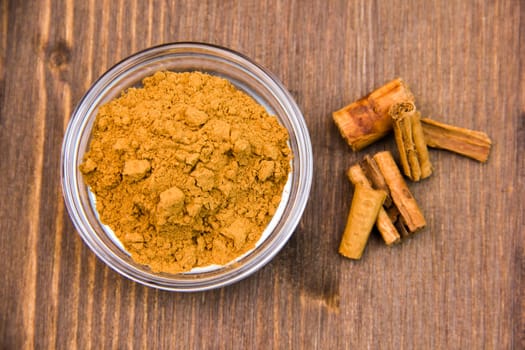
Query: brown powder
{"points": [[187, 170]]}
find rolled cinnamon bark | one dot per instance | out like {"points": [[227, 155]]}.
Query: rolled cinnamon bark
{"points": [[383, 223], [410, 141], [366, 120], [470, 143], [410, 215], [365, 207], [377, 180]]}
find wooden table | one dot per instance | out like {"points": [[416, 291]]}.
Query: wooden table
{"points": [[459, 284]]}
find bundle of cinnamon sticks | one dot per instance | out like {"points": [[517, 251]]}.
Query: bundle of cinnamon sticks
{"points": [[382, 197]]}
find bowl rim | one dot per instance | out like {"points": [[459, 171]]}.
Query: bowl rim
{"points": [[71, 144]]}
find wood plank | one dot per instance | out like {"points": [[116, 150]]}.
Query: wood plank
{"points": [[458, 284]]}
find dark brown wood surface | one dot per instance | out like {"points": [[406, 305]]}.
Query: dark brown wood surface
{"points": [[459, 284]]}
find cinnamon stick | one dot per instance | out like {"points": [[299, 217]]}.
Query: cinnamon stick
{"points": [[410, 141], [373, 173], [364, 209], [383, 223], [366, 120], [470, 143], [411, 216]]}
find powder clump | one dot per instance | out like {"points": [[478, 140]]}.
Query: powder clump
{"points": [[187, 170]]}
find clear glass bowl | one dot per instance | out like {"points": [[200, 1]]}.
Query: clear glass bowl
{"points": [[245, 75]]}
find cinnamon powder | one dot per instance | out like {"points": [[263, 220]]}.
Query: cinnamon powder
{"points": [[187, 170]]}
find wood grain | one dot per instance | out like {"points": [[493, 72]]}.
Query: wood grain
{"points": [[459, 284]]}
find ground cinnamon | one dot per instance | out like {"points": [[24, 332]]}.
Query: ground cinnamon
{"points": [[186, 170]]}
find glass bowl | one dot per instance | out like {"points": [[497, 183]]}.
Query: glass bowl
{"points": [[247, 76]]}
